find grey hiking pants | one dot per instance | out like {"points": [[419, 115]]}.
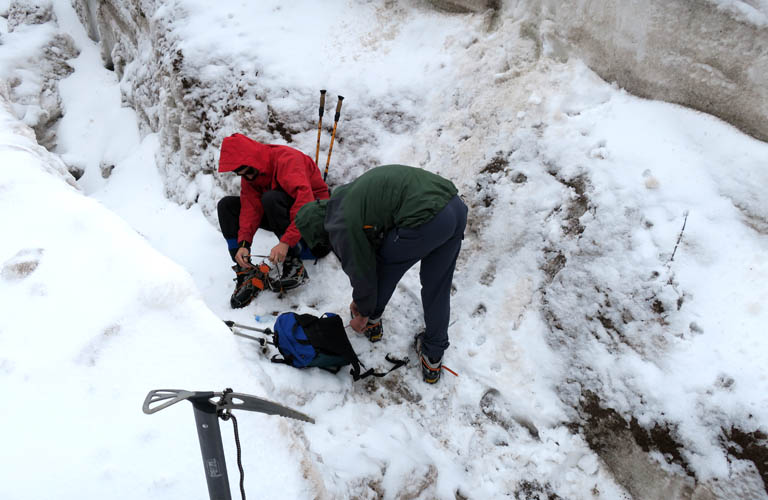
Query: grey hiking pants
{"points": [[436, 244]]}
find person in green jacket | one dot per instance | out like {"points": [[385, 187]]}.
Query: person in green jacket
{"points": [[379, 226]]}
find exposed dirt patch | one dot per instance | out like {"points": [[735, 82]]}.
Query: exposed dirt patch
{"points": [[480, 310], [460, 496], [657, 306], [533, 490], [489, 275], [374, 487], [756, 221], [391, 390], [601, 424], [751, 446], [419, 484], [577, 207], [497, 164], [22, 264], [396, 121], [274, 124], [555, 261]]}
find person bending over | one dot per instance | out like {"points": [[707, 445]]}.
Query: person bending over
{"points": [[380, 225]]}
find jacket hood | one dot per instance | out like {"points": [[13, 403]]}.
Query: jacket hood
{"points": [[310, 223], [238, 149]]}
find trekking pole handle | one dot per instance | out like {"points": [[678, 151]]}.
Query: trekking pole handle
{"points": [[338, 108], [322, 103]]}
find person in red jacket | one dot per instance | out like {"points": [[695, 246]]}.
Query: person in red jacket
{"points": [[275, 182]]}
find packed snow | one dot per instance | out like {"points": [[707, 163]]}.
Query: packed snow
{"points": [[617, 248]]}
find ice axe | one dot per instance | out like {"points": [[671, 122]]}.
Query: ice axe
{"points": [[208, 408]]}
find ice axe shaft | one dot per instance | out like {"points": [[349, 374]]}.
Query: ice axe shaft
{"points": [[333, 135], [212, 449]]}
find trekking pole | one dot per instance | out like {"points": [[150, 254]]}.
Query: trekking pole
{"points": [[208, 408], [232, 325], [320, 124], [333, 136]]}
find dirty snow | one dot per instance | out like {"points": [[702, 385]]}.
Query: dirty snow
{"points": [[566, 286]]}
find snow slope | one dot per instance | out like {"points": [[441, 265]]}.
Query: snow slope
{"points": [[577, 337]]}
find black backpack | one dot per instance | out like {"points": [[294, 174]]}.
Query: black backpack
{"points": [[305, 340]]}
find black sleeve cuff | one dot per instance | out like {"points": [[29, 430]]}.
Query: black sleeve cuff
{"points": [[244, 244]]}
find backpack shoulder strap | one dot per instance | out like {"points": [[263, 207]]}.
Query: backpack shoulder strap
{"points": [[277, 359], [396, 363]]}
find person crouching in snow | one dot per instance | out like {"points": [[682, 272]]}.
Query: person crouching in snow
{"points": [[275, 182], [379, 226]]}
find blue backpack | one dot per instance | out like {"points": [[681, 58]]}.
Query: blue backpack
{"points": [[304, 340]]}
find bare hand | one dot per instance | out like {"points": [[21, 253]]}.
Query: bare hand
{"points": [[359, 322], [242, 257], [278, 252], [353, 309]]}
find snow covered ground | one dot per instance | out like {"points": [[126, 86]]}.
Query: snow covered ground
{"points": [[578, 293]]}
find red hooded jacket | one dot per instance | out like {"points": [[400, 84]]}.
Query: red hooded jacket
{"points": [[280, 167]]}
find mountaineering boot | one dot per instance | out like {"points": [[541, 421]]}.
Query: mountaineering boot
{"points": [[373, 330], [294, 273], [249, 282], [430, 368]]}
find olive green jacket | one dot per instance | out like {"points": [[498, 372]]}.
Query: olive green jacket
{"points": [[359, 214]]}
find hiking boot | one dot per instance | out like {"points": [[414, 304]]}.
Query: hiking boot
{"points": [[249, 282], [294, 274], [373, 330], [430, 368]]}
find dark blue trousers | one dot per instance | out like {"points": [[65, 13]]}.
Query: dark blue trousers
{"points": [[436, 244], [276, 204]]}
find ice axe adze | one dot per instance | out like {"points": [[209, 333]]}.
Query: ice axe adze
{"points": [[208, 408]]}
